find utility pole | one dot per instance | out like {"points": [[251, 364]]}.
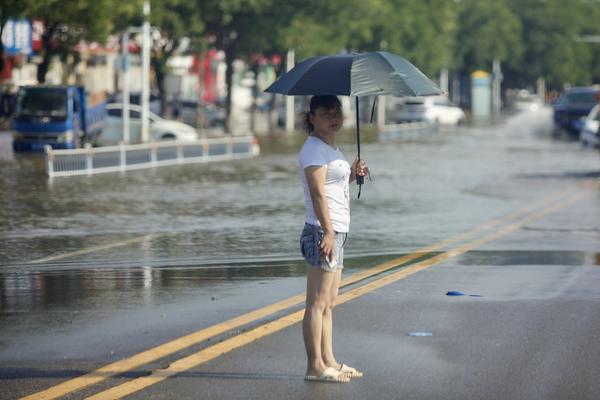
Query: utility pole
{"points": [[496, 88], [125, 99], [126, 84], [145, 103], [289, 100], [541, 90], [380, 112], [444, 80]]}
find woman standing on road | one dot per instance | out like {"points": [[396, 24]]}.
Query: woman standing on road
{"points": [[325, 176]]}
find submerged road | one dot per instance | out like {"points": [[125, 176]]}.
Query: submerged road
{"points": [[503, 214]]}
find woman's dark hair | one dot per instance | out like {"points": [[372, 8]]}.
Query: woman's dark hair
{"points": [[328, 102]]}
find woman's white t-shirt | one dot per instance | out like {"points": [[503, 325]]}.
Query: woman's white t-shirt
{"points": [[315, 152]]}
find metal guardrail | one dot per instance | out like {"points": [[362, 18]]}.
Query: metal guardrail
{"points": [[94, 160]]}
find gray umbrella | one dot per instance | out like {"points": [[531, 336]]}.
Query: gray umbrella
{"points": [[359, 74]]}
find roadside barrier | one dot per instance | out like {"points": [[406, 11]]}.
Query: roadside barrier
{"points": [[94, 160]]}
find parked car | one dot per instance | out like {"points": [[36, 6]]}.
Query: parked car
{"points": [[136, 98], [589, 132], [160, 129], [187, 110], [432, 109], [571, 106]]}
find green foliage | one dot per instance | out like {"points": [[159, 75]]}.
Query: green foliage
{"points": [[532, 38], [551, 48], [421, 31], [68, 22], [87, 20], [175, 20], [12, 8], [326, 27], [488, 30], [245, 27]]}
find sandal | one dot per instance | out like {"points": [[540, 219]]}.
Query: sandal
{"points": [[350, 372], [329, 375]]}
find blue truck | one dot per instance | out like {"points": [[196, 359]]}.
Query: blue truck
{"points": [[64, 117]]}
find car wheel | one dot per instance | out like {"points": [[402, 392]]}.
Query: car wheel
{"points": [[168, 136]]}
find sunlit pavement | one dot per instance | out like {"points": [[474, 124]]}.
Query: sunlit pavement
{"points": [[211, 243]]}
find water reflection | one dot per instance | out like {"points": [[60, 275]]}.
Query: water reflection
{"points": [[51, 289], [71, 284], [98, 287], [528, 257]]}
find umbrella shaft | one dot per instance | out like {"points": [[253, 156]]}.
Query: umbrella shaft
{"points": [[357, 129], [359, 179]]}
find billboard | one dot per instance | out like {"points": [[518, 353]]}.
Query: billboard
{"points": [[16, 36]]}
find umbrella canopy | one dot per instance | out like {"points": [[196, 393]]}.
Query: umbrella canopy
{"points": [[361, 74]]}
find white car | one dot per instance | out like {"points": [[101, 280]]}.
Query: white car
{"points": [[589, 133], [527, 102], [160, 128], [432, 109]]}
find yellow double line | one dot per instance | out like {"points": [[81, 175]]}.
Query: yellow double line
{"points": [[519, 218]]}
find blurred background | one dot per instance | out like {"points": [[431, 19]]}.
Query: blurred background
{"points": [[211, 60]]}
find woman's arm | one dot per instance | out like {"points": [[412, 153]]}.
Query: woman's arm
{"points": [[315, 177]]}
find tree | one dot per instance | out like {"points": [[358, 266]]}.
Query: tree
{"points": [[591, 12], [329, 27], [551, 48], [68, 22], [488, 30], [176, 20], [423, 32], [242, 28]]}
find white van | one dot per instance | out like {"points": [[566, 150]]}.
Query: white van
{"points": [[432, 109]]}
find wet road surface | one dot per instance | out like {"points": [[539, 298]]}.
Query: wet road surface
{"points": [[94, 270]]}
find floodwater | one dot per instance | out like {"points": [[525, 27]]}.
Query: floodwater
{"points": [[172, 231]]}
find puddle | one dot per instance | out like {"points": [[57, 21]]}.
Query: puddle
{"points": [[567, 175], [41, 286], [527, 257]]}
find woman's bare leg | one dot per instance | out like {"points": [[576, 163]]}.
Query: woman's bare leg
{"points": [[327, 328], [318, 287]]}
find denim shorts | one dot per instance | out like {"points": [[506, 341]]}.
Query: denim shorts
{"points": [[310, 246]]}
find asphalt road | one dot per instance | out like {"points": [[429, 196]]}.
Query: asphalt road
{"points": [[527, 326], [534, 333]]}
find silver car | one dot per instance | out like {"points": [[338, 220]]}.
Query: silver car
{"points": [[160, 128]]}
